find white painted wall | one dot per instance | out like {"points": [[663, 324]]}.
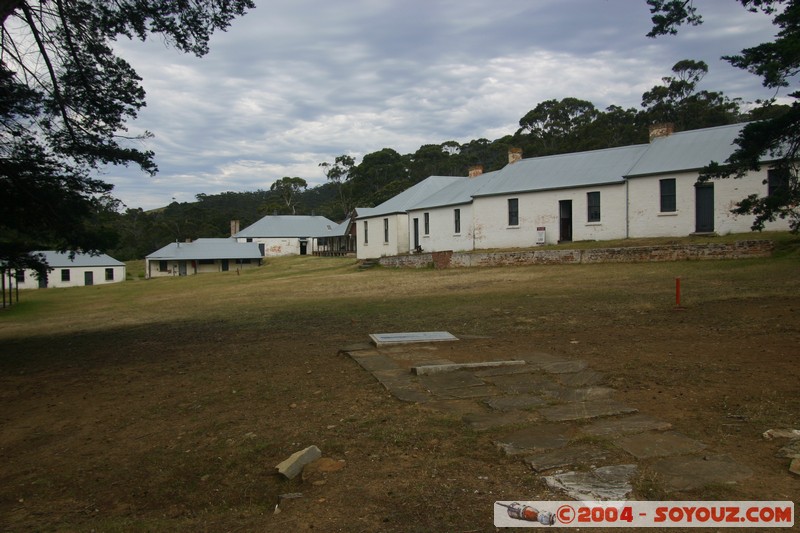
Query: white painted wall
{"points": [[77, 277], [541, 209], [280, 246], [377, 245], [442, 235], [153, 267], [646, 220]]}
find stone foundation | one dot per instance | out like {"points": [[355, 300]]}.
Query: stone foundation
{"points": [[633, 254]]}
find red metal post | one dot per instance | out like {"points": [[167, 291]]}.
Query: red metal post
{"points": [[677, 292]]}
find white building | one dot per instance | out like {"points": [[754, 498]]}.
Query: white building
{"points": [[73, 270], [384, 230], [278, 235], [201, 256], [648, 190]]}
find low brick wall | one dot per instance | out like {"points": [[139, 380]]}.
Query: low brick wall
{"points": [[633, 254]]}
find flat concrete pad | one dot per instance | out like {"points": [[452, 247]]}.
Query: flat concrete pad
{"points": [[536, 438], [580, 395], [661, 444], [483, 421], [570, 456], [616, 427], [399, 377], [371, 363], [451, 367], [451, 380], [527, 368], [463, 393], [523, 383], [605, 483], [388, 339], [564, 367], [409, 394], [585, 410], [689, 473], [521, 401]]}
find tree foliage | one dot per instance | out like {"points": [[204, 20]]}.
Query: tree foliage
{"points": [[65, 101], [777, 136], [288, 189]]}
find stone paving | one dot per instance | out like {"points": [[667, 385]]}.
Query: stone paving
{"points": [[555, 414]]}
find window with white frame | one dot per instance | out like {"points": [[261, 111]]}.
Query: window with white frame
{"points": [[593, 206], [513, 211], [457, 220]]}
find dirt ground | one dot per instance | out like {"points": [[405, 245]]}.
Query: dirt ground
{"points": [[177, 426]]}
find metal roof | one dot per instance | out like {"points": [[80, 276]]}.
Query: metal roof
{"points": [[273, 226], [227, 248], [457, 193], [687, 150], [562, 171], [63, 260], [410, 197]]}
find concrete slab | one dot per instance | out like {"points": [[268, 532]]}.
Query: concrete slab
{"points": [[564, 367], [585, 410], [609, 483], [582, 378], [523, 383], [428, 369], [527, 368], [615, 427], [463, 393], [399, 377], [511, 403], [540, 437], [483, 421], [541, 358], [579, 395], [689, 473], [570, 456], [437, 383], [410, 394], [371, 363], [388, 339], [659, 444]]}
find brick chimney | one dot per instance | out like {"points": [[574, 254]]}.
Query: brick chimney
{"points": [[514, 155], [234, 227], [475, 171], [664, 129]]}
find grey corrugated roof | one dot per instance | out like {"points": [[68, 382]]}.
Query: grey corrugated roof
{"points": [[579, 169], [274, 226], [62, 259], [227, 248], [687, 150], [410, 197], [457, 193]]}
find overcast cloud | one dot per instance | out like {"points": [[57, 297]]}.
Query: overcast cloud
{"points": [[298, 82]]}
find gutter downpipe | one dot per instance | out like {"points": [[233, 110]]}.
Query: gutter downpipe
{"points": [[627, 210]]}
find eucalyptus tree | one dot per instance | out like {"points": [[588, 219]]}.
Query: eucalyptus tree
{"points": [[776, 137], [66, 99]]}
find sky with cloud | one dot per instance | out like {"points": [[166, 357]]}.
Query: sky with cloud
{"points": [[295, 83]]}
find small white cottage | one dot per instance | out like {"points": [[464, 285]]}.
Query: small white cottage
{"points": [[73, 270], [201, 256]]}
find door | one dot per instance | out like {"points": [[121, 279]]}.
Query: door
{"points": [[43, 281], [416, 234], [88, 278], [182, 268], [303, 247], [225, 265], [565, 220], [704, 207]]}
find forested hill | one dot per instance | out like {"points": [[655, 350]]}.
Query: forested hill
{"points": [[552, 127]]}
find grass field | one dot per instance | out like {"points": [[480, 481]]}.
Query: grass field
{"points": [[164, 404]]}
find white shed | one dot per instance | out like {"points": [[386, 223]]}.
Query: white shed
{"points": [[73, 270]]}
